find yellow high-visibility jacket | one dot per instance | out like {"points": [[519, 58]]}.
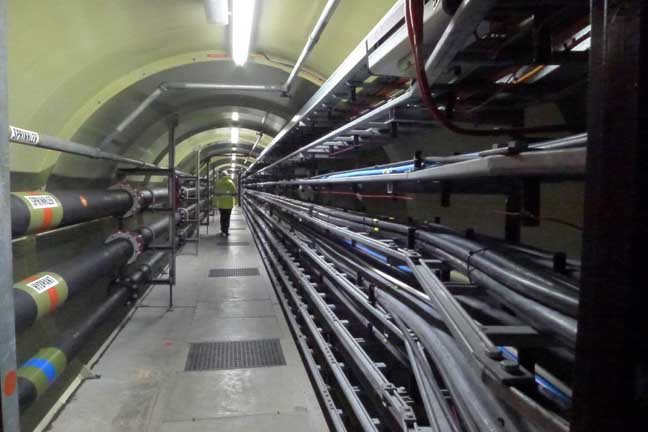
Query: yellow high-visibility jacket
{"points": [[225, 193]]}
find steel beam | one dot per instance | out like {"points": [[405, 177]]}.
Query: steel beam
{"points": [[612, 348], [8, 377]]}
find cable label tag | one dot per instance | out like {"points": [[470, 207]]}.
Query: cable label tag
{"points": [[23, 136], [42, 284], [41, 201]]}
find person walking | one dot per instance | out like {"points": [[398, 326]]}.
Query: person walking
{"points": [[225, 197]]}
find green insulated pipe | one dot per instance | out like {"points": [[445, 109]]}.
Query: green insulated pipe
{"points": [[38, 373], [39, 211]]}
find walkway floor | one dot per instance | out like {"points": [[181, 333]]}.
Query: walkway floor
{"points": [[143, 385]]}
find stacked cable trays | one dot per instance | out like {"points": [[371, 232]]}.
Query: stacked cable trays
{"points": [[409, 326]]}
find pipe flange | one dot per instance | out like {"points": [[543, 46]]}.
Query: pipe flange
{"points": [[184, 193], [184, 214], [136, 199], [133, 238]]}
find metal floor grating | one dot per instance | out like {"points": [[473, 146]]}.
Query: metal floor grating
{"points": [[233, 272], [234, 355]]}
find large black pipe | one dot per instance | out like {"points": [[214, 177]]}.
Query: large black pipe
{"points": [[40, 371], [33, 212], [44, 292]]}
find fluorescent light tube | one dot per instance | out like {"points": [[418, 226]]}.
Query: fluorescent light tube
{"points": [[235, 135], [242, 20]]}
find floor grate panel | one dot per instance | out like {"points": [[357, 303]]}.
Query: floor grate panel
{"points": [[234, 355], [234, 272]]}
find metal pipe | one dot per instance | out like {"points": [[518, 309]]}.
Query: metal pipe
{"points": [[171, 86], [9, 417], [212, 86], [35, 139], [131, 117], [258, 139], [52, 360], [313, 38], [173, 203], [190, 192], [38, 211]]}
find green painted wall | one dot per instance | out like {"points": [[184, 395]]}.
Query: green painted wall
{"points": [[66, 58]]}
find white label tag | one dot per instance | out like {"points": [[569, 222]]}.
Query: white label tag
{"points": [[42, 284], [41, 201], [23, 136]]}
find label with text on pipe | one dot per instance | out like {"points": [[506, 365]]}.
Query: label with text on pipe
{"points": [[23, 136], [41, 201], [42, 284]]}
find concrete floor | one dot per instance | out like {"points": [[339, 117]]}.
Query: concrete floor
{"points": [[143, 385]]}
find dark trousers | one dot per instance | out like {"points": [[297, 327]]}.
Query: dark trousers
{"points": [[225, 215]]}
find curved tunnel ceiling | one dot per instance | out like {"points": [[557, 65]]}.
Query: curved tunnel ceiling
{"points": [[244, 151], [78, 68], [219, 135]]}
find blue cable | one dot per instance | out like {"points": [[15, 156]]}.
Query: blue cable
{"points": [[377, 255], [542, 382]]}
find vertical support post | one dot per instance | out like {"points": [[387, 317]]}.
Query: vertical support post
{"points": [[8, 382], [210, 193], [198, 207], [173, 205], [531, 198], [610, 392], [512, 219]]}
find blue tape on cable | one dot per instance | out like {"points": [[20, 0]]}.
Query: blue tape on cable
{"points": [[44, 365], [538, 379]]}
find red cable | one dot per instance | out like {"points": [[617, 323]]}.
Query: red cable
{"points": [[414, 19]]}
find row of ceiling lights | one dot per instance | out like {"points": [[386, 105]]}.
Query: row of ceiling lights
{"points": [[242, 22]]}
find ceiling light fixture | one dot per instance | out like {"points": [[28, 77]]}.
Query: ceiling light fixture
{"points": [[233, 157], [235, 135], [217, 11], [235, 116], [242, 19]]}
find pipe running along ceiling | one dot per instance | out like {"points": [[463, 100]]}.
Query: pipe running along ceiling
{"points": [[72, 88]]}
